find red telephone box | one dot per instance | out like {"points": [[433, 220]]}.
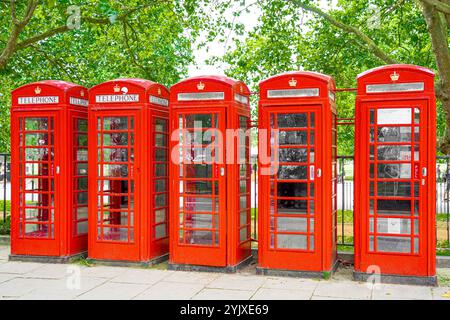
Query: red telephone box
{"points": [[210, 174], [48, 171], [297, 202], [128, 155], [395, 175]]}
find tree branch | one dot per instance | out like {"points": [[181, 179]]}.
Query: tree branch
{"points": [[17, 28], [370, 44], [439, 5], [12, 46]]}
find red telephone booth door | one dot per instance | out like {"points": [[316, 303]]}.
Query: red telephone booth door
{"points": [[38, 172], [395, 210], [117, 185], [200, 219], [292, 218]]}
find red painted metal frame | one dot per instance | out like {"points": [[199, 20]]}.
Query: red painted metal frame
{"points": [[230, 251], [421, 263], [64, 240], [323, 256], [142, 244]]}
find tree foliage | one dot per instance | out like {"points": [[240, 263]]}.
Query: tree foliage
{"points": [[146, 39], [343, 41]]}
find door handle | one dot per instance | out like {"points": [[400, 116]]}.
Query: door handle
{"points": [[424, 172], [57, 169], [222, 171], [312, 173], [319, 173]]}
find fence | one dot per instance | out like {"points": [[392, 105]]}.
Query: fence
{"points": [[5, 178], [345, 201]]}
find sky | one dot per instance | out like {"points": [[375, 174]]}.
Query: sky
{"points": [[250, 20]]}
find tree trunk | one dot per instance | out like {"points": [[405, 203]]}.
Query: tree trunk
{"points": [[437, 28]]}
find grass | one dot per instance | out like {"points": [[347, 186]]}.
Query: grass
{"points": [[82, 261], [5, 226], [443, 280], [8, 206]]}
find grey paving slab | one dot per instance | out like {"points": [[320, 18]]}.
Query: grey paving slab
{"points": [[165, 290], [17, 287], [6, 277], [192, 277], [223, 294], [331, 298], [291, 284], [237, 282], [4, 253], [401, 292], [113, 291], [52, 271], [141, 276], [19, 267], [103, 271], [343, 289], [63, 289], [282, 294]]}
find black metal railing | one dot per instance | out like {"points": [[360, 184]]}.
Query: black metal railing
{"points": [[345, 201], [344, 190]]}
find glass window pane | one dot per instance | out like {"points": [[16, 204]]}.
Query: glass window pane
{"points": [[293, 207], [286, 189], [115, 123], [198, 221], [199, 237], [160, 231], [160, 185], [402, 153], [160, 125], [394, 225], [394, 244], [198, 121], [160, 140], [292, 224], [394, 189], [394, 171], [293, 155], [292, 172], [198, 204], [394, 207], [197, 171], [394, 134], [292, 241], [292, 120], [198, 187], [160, 215], [292, 137]]}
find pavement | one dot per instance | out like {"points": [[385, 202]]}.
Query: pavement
{"points": [[79, 281]]}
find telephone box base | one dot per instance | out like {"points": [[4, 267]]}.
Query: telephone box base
{"points": [[397, 279], [297, 273], [228, 269], [117, 263], [46, 259]]}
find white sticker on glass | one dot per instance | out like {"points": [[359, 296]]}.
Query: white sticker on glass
{"points": [[394, 116], [394, 225]]}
